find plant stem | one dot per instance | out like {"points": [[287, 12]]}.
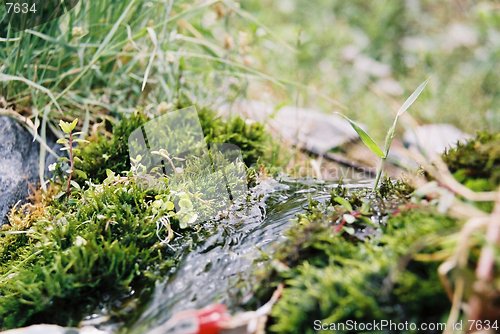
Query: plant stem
{"points": [[72, 164], [380, 168]]}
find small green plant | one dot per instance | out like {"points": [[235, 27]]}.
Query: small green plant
{"points": [[68, 143], [372, 145]]}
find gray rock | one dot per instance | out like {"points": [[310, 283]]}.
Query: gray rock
{"points": [[434, 139], [313, 130], [19, 156]]}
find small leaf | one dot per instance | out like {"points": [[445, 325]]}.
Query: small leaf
{"points": [[79, 241], [368, 221], [365, 138], [75, 184], [65, 127], [349, 230], [80, 173], [345, 203], [110, 173], [62, 141], [409, 101], [185, 204], [349, 219], [78, 140], [60, 194], [170, 206], [73, 124]]}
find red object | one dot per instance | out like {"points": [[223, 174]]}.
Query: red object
{"points": [[208, 320], [211, 317]]}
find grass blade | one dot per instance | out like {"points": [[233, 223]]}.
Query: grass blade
{"points": [[100, 50], [154, 39], [34, 85], [365, 138], [409, 101]]}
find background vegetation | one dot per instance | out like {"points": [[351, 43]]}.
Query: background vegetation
{"points": [[108, 57]]}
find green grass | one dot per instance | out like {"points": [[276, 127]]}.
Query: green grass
{"points": [[106, 58], [342, 43]]}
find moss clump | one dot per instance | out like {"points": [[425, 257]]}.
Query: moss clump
{"points": [[91, 250], [334, 277], [107, 152], [111, 151], [254, 142], [91, 246], [476, 163]]}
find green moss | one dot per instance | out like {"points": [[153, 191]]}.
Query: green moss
{"points": [[111, 152], [105, 152], [254, 142], [92, 250], [93, 247], [337, 276], [476, 164]]}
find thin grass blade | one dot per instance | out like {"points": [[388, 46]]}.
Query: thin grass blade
{"points": [[409, 101], [365, 138], [154, 39]]}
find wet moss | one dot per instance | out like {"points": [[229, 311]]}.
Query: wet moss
{"points": [[103, 243], [334, 275]]}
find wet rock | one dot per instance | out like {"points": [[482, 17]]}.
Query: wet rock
{"points": [[434, 138], [18, 164], [315, 131]]}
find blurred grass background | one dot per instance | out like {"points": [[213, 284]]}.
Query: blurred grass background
{"points": [[370, 54], [107, 57]]}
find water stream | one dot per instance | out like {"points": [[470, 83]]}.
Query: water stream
{"points": [[220, 269]]}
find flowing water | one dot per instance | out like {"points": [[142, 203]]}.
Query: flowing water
{"points": [[220, 269]]}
